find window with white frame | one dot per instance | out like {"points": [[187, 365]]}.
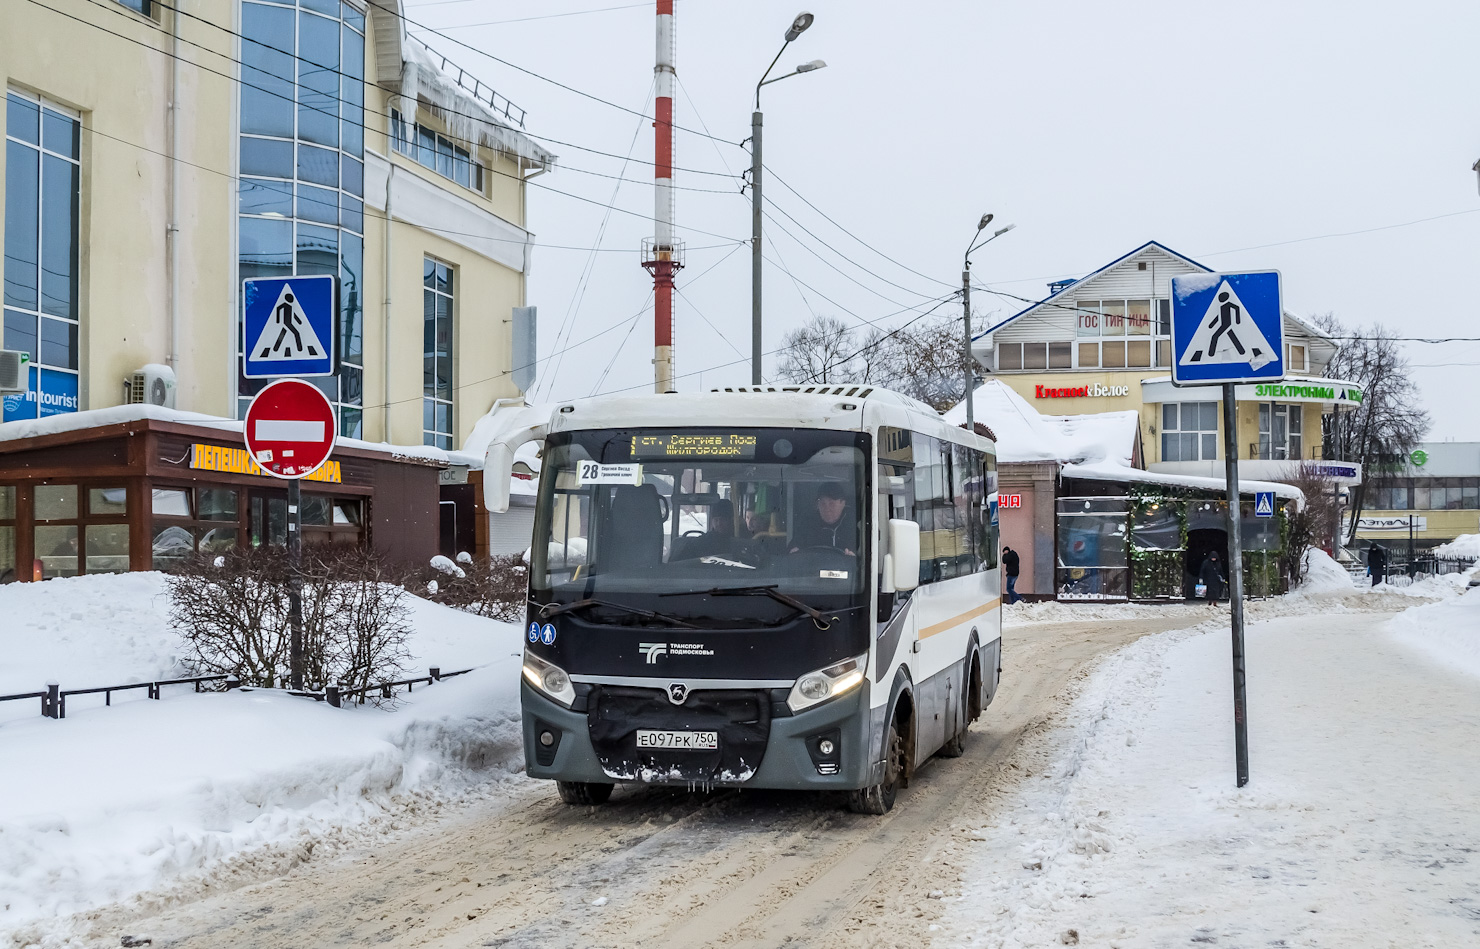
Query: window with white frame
{"points": [[435, 151], [1281, 431], [1189, 431], [1108, 334], [1295, 358], [43, 172], [437, 335]]}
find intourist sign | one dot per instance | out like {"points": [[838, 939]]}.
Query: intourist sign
{"points": [[1095, 391]]}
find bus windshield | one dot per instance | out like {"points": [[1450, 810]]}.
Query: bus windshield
{"points": [[668, 512]]}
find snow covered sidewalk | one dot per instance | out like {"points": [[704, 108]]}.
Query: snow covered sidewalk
{"points": [[1359, 827], [152, 795]]}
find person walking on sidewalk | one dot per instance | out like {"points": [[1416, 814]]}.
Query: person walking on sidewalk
{"points": [[1377, 563], [1010, 568], [1211, 576]]}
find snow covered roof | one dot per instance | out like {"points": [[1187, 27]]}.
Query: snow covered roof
{"points": [[1103, 471], [1090, 276], [123, 414], [428, 77], [1023, 434]]}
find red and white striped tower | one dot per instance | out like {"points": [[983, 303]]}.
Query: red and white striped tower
{"points": [[662, 256]]}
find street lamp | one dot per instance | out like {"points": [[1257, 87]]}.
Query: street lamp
{"points": [[798, 27], [966, 310]]}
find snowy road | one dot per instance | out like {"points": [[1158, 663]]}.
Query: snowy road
{"points": [[658, 867]]}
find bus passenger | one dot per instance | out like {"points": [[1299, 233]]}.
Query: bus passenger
{"points": [[835, 527]]}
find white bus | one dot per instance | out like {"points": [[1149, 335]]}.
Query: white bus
{"points": [[768, 588]]}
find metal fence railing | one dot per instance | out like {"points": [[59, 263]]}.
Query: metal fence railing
{"points": [[54, 698]]}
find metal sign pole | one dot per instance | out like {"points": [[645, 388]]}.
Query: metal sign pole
{"points": [[295, 583], [1235, 581]]}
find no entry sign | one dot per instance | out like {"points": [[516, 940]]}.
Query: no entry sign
{"points": [[290, 429]]}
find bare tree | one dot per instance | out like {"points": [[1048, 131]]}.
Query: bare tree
{"points": [[824, 350], [1389, 422], [923, 360], [1315, 524]]}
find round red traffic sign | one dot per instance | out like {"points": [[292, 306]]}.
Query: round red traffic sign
{"points": [[290, 429]]}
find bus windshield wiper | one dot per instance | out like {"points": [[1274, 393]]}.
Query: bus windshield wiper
{"points": [[769, 590], [551, 609]]}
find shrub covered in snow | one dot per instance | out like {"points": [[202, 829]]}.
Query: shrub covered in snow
{"points": [[232, 612], [496, 587]]}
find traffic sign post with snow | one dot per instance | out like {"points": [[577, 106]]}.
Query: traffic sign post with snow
{"points": [[1264, 504], [288, 326], [1227, 327], [290, 429]]}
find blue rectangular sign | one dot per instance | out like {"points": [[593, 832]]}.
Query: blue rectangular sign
{"points": [[1264, 504], [288, 326], [1227, 327]]}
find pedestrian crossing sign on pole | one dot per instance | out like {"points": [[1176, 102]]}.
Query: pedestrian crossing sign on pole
{"points": [[1264, 504], [288, 327], [1227, 327]]}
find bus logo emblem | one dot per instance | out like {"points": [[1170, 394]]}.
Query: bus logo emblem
{"points": [[653, 651], [677, 692]]}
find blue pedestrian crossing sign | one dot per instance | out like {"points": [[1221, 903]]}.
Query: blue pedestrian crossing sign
{"points": [[1227, 327], [288, 326], [1264, 504]]}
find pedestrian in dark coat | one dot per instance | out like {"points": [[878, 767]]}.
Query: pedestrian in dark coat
{"points": [[1377, 563], [1010, 569], [1211, 576]]}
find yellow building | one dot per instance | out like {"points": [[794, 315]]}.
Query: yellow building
{"points": [[1103, 343], [154, 160], [1432, 494]]}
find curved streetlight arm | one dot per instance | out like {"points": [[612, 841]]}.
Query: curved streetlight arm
{"points": [[764, 80]]}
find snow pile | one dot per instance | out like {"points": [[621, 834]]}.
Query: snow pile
{"points": [[151, 794], [1463, 547], [445, 565], [1126, 827], [1321, 574], [1447, 632], [1023, 434]]}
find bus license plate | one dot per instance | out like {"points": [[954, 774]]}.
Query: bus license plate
{"points": [[677, 741]]}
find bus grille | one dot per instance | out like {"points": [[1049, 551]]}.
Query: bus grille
{"points": [[742, 719]]}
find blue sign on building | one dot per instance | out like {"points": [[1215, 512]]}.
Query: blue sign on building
{"points": [[50, 393], [1227, 327], [288, 326]]}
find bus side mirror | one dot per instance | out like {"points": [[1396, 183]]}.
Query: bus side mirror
{"points": [[904, 554]]}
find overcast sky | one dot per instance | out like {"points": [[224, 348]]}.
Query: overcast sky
{"points": [[1243, 135]]}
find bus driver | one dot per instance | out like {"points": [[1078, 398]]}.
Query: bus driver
{"points": [[835, 527]]}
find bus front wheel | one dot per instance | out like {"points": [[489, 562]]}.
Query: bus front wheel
{"points": [[584, 792], [879, 798]]}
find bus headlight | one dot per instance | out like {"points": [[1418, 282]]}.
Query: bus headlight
{"points": [[825, 684], [549, 679]]}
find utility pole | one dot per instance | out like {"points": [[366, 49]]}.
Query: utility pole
{"points": [[755, 239], [798, 26], [966, 358], [966, 345], [1235, 582]]}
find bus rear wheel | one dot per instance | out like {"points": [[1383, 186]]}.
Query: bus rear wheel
{"points": [[879, 798], [584, 792]]}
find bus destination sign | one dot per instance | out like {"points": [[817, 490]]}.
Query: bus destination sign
{"points": [[729, 445]]}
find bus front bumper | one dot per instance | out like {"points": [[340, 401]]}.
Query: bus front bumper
{"points": [[558, 745]]}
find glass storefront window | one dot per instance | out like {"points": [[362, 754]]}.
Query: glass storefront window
{"points": [[56, 550], [1092, 554], [216, 504], [171, 502], [107, 548], [56, 502], [7, 534], [7, 502], [173, 544], [1158, 526], [107, 501]]}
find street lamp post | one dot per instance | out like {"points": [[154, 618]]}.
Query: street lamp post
{"points": [[966, 313], [798, 26]]}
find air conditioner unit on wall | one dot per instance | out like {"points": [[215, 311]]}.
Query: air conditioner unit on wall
{"points": [[14, 375], [152, 385]]}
